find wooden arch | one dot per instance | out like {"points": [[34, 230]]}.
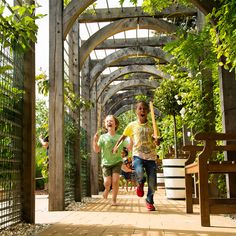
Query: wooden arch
{"points": [[122, 54], [104, 83], [72, 12], [116, 98], [127, 84], [120, 26]]}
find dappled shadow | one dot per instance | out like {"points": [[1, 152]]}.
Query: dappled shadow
{"points": [[130, 217], [120, 229]]}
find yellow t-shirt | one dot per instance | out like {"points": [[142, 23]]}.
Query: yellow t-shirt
{"points": [[141, 134]]}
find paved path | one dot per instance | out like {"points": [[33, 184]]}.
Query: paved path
{"points": [[130, 217]]}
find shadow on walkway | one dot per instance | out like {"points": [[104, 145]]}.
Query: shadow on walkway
{"points": [[130, 217]]}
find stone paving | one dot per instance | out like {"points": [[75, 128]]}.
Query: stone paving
{"points": [[130, 217]]}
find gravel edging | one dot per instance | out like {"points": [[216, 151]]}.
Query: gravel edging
{"points": [[24, 229], [76, 206]]}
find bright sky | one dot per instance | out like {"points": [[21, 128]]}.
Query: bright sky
{"points": [[42, 58], [42, 46]]}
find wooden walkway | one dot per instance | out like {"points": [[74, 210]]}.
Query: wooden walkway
{"points": [[130, 217]]}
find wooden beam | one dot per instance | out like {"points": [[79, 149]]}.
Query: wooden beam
{"points": [[118, 26], [133, 61], [152, 70], [156, 41], [111, 14], [136, 53]]}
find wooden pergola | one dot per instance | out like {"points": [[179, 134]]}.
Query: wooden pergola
{"points": [[132, 56]]}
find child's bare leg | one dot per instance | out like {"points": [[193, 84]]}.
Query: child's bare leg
{"points": [[107, 185], [127, 183], [115, 187], [122, 182]]}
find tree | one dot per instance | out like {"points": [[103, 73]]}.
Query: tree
{"points": [[168, 100]]}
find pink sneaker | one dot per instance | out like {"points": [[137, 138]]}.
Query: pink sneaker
{"points": [[139, 190], [150, 206]]}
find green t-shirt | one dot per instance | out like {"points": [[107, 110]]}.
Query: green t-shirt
{"points": [[106, 142]]}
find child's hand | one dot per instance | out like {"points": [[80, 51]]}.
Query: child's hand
{"points": [[156, 141], [96, 137], [114, 150]]}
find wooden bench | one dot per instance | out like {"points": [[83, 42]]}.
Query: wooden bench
{"points": [[200, 164]]}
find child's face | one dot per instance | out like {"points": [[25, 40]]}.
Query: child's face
{"points": [[142, 112], [110, 122]]}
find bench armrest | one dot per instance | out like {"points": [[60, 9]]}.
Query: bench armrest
{"points": [[192, 150]]}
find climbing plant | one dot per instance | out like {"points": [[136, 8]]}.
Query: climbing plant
{"points": [[222, 28], [223, 34], [18, 27]]}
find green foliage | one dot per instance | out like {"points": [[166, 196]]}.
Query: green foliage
{"points": [[152, 6], [41, 164], [71, 99], [223, 34], [5, 68], [126, 118], [183, 97], [91, 9], [43, 83], [167, 97], [66, 2], [41, 119], [193, 50], [70, 128], [142, 98], [19, 28], [222, 31], [166, 127]]}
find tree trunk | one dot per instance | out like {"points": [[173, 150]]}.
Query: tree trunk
{"points": [[175, 138]]}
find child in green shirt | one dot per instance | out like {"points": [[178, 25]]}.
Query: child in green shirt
{"points": [[110, 162]]}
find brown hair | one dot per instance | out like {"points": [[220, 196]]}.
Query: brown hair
{"points": [[115, 119]]}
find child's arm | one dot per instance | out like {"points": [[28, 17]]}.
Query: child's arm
{"points": [[121, 139], [96, 148], [43, 142], [130, 145], [126, 169]]}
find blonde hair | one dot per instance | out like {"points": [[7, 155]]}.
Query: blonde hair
{"points": [[115, 119]]}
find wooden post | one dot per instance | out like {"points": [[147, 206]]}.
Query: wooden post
{"points": [[28, 173], [56, 107], [74, 77]]}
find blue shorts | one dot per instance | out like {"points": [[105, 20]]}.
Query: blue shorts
{"points": [[126, 175]]}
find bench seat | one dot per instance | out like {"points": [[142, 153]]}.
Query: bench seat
{"points": [[200, 165]]}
